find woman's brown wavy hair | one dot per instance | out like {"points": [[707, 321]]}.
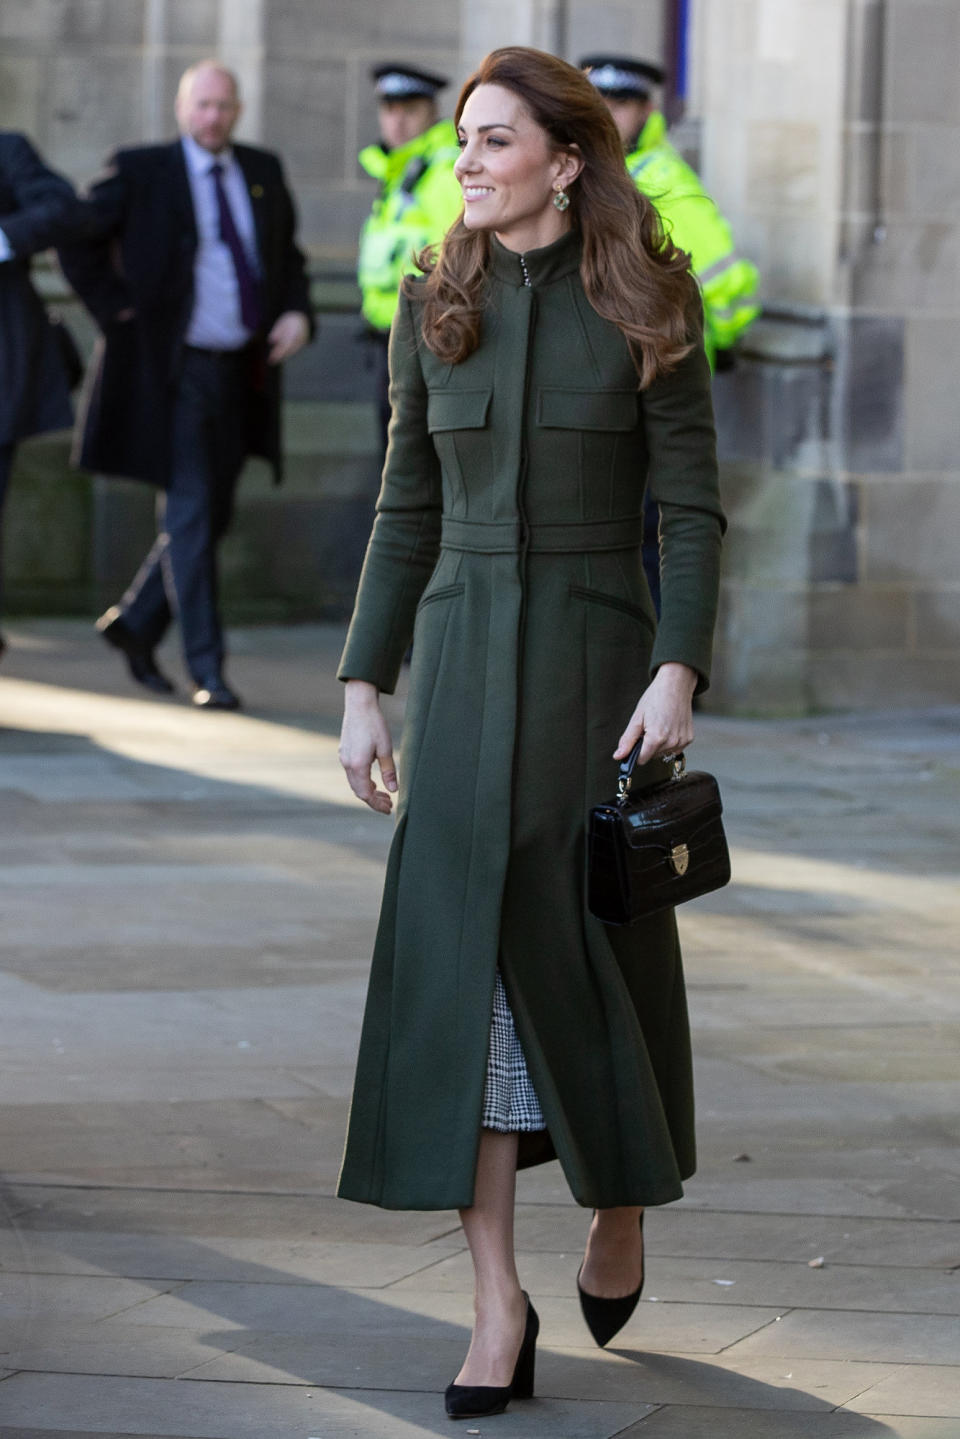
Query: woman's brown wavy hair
{"points": [[632, 274]]}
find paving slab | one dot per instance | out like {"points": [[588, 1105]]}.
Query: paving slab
{"points": [[913, 1389], [111, 1348], [684, 1232], [74, 1434], [889, 1338], [740, 1281], [206, 1213], [688, 1423], [325, 1310], [73, 1296], [192, 1409], [178, 1258], [565, 1373]]}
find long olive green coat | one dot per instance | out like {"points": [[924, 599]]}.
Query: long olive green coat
{"points": [[507, 543]]}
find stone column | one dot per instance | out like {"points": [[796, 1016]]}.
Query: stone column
{"points": [[568, 28], [771, 78], [492, 23], [240, 37]]}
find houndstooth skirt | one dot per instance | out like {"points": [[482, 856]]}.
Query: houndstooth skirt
{"points": [[510, 1102]]}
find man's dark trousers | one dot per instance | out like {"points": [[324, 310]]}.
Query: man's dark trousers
{"points": [[179, 575]]}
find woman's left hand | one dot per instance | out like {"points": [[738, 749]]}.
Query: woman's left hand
{"points": [[664, 716]]}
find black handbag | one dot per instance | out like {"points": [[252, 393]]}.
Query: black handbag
{"points": [[657, 849]]}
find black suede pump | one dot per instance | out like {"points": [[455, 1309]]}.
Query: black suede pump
{"points": [[478, 1401], [606, 1317]]}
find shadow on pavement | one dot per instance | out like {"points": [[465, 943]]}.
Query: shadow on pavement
{"points": [[381, 1353]]}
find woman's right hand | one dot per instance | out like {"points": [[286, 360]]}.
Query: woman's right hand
{"points": [[365, 737]]}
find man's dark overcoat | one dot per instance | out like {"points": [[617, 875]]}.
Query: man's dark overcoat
{"points": [[142, 260], [37, 209], [507, 542]]}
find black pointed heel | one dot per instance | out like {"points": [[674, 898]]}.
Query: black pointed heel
{"points": [[479, 1401], [606, 1317]]}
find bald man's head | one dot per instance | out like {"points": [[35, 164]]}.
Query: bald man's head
{"points": [[208, 104]]}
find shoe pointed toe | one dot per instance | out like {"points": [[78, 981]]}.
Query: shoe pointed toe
{"points": [[606, 1317]]}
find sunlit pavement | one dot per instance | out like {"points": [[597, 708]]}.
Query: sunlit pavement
{"points": [[187, 906]]}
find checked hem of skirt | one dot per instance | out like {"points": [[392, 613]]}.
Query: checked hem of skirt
{"points": [[510, 1103]]}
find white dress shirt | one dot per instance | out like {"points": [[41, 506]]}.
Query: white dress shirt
{"points": [[215, 322]]}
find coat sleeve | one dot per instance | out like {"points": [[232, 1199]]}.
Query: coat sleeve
{"points": [[89, 263], [47, 211], [405, 542], [683, 479]]}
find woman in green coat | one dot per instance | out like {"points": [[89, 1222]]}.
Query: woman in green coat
{"points": [[547, 368]]}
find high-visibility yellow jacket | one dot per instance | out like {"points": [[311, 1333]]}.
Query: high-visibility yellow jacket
{"points": [[693, 222], [419, 200]]}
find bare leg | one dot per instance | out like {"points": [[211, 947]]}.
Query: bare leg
{"points": [[613, 1263], [499, 1305]]}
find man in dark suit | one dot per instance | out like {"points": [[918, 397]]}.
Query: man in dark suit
{"points": [[201, 292], [37, 209]]}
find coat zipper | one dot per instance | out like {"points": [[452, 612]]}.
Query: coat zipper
{"points": [[523, 526]]}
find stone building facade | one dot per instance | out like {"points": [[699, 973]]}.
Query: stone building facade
{"points": [[829, 131]]}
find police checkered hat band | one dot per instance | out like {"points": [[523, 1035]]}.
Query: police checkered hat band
{"points": [[622, 76], [401, 82], [608, 77]]}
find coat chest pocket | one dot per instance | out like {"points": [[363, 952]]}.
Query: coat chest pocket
{"points": [[457, 410], [616, 410]]}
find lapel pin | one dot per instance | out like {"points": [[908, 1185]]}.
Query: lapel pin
{"points": [[256, 191]]}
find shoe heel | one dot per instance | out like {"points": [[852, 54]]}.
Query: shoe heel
{"points": [[524, 1374]]}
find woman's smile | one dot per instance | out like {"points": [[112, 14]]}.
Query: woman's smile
{"points": [[499, 135]]}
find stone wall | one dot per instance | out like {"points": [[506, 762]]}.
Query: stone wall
{"points": [[830, 135]]}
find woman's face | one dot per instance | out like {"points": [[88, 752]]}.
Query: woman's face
{"points": [[509, 171]]}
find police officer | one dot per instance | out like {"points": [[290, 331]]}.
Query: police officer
{"points": [[728, 281], [419, 197]]}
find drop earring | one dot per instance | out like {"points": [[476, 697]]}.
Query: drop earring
{"points": [[561, 199]]}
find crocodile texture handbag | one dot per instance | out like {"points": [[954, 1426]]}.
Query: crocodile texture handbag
{"points": [[656, 849]]}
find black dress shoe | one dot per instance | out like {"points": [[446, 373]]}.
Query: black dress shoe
{"points": [[138, 655], [478, 1401], [215, 694], [606, 1317]]}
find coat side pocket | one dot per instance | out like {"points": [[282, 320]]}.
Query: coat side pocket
{"points": [[614, 602], [443, 592]]}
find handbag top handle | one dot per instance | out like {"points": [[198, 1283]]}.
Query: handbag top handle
{"points": [[628, 765]]}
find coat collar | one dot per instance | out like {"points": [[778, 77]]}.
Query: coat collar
{"points": [[544, 266]]}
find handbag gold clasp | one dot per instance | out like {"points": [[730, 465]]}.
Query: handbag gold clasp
{"points": [[680, 859]]}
